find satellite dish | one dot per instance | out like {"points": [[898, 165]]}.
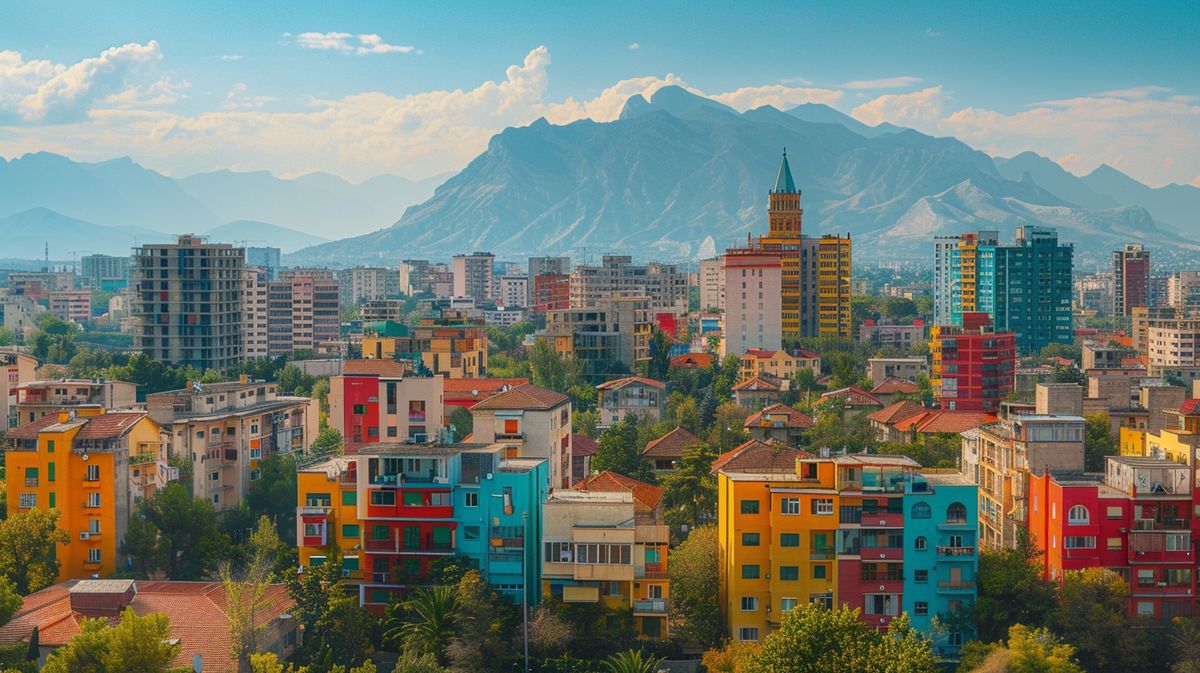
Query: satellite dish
{"points": [[84, 457], [198, 663], [474, 393]]}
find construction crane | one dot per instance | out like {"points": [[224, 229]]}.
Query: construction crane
{"points": [[75, 259]]}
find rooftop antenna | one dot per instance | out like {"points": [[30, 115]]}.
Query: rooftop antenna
{"points": [[47, 255]]}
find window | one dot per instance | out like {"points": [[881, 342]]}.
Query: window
{"points": [[1145, 578], [472, 498], [1078, 515], [790, 506], [360, 409], [384, 498], [1079, 542], [556, 552], [439, 499], [920, 576], [921, 608], [214, 476], [312, 530], [823, 506], [787, 604], [349, 498], [749, 603], [603, 554], [789, 539], [94, 526], [93, 500], [749, 539], [350, 530], [1114, 512], [28, 500], [748, 634], [956, 513], [317, 500], [749, 507], [1177, 542], [820, 571], [750, 571], [94, 555], [921, 510], [789, 573], [471, 533], [1114, 544], [920, 544], [1145, 609], [49, 446], [954, 639], [50, 472], [93, 473]]}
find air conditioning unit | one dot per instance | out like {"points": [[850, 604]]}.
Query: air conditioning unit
{"points": [[85, 536], [345, 572]]}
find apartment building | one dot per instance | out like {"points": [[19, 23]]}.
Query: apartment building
{"points": [[852, 530], [514, 291], [255, 280], [634, 396], [901, 337], [1183, 289], [72, 305], [452, 348], [973, 365], [909, 368], [777, 364], [474, 276], [227, 429], [364, 283], [533, 422], [665, 287], [104, 272], [712, 285], [302, 311], [753, 281], [375, 401], [267, 258], [15, 367], [1173, 343], [34, 399], [394, 510], [605, 542], [188, 302], [550, 292], [1131, 279], [91, 466], [778, 423], [557, 266], [615, 330], [37, 285]]}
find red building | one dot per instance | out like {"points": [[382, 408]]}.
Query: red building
{"points": [[1134, 519], [551, 292], [374, 401], [973, 365]]}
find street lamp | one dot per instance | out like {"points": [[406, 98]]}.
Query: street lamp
{"points": [[524, 578]]}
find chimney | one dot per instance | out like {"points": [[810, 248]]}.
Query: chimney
{"points": [[63, 416], [101, 598]]}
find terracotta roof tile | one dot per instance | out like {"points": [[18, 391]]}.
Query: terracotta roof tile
{"points": [[692, 360], [894, 386], [896, 412], [756, 456], [854, 397], [31, 430], [806, 354], [527, 396], [670, 445], [939, 420], [647, 496], [583, 446], [782, 413], [1188, 408], [758, 383], [759, 354], [381, 368], [621, 383], [109, 425]]}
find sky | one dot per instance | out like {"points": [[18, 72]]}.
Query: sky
{"points": [[416, 89]]}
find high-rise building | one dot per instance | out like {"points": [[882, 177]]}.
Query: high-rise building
{"points": [[712, 284], [754, 309], [814, 272], [105, 272], [664, 286], [558, 266], [413, 277], [514, 291], [453, 348], [1131, 278], [1172, 342], [1025, 287], [254, 311], [264, 258], [610, 331], [302, 310], [363, 283], [474, 276], [974, 366], [1183, 289], [551, 292], [188, 302]]}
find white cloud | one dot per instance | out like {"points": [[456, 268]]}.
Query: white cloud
{"points": [[929, 32], [902, 82], [239, 98], [346, 43], [41, 91], [165, 91], [778, 95], [231, 57], [634, 46], [921, 110]]}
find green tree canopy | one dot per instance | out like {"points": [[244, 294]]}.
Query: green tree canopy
{"points": [[27, 549], [619, 449], [813, 639], [694, 570]]}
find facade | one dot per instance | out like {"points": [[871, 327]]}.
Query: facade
{"points": [[534, 423], [15, 367], [1172, 340], [843, 530], [1183, 289], [779, 364], [778, 423], [665, 287], [264, 258], [902, 337], [753, 300], [363, 283], [254, 311], [104, 272], [1026, 287], [34, 399], [609, 331], [227, 429], [302, 311], [37, 285], [1131, 279], [452, 348], [473, 276], [665, 451], [554, 266], [514, 292], [758, 392], [396, 509], [605, 543], [550, 292], [72, 305], [188, 302], [631, 396], [712, 285], [414, 277], [375, 401], [973, 365], [91, 467], [882, 369]]}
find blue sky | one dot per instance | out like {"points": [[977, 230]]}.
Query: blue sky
{"points": [[294, 87]]}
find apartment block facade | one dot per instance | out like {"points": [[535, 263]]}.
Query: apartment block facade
{"points": [[36, 398], [615, 330], [474, 276], [753, 282], [452, 348], [664, 286], [533, 422], [973, 365], [1131, 279], [375, 401], [302, 311]]}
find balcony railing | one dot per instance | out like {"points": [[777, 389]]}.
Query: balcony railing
{"points": [[821, 554], [956, 551], [956, 585], [656, 606], [31, 482], [396, 546], [655, 570], [1164, 523]]}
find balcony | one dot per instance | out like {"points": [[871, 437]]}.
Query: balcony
{"points": [[883, 519], [424, 546], [651, 606], [652, 534], [881, 553], [956, 551], [653, 571], [1163, 523], [31, 482], [821, 554], [956, 524], [955, 586]]}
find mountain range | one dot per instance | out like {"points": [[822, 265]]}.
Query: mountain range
{"points": [[679, 176]]}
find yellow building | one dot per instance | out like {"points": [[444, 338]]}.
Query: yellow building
{"points": [[1133, 441], [833, 286], [92, 467], [450, 348], [328, 492], [779, 364], [1179, 438]]}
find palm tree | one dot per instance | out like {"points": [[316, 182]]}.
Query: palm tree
{"points": [[632, 661], [426, 623]]}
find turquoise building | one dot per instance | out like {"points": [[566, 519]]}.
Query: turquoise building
{"points": [[942, 557]]}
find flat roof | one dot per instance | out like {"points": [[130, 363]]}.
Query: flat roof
{"points": [[397, 448], [277, 403], [954, 478], [1049, 417]]}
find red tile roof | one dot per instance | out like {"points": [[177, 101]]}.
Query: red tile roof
{"points": [[853, 397], [481, 385], [806, 354], [527, 396], [692, 360], [759, 354], [930, 422], [757, 383], [31, 430], [1188, 408], [893, 386], [583, 446], [109, 425], [756, 456], [670, 445], [768, 416], [897, 412], [646, 496], [621, 383], [381, 368]]}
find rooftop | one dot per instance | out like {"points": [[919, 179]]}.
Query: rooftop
{"points": [[629, 380], [104, 426], [646, 496], [670, 445], [778, 412], [526, 396], [384, 368]]}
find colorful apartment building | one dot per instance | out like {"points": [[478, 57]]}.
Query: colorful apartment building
{"points": [[631, 396], [608, 335], [91, 466], [605, 542], [778, 423], [15, 367], [973, 365], [446, 347], [227, 429], [843, 530], [375, 401], [534, 423], [35, 399], [780, 364], [395, 510], [1135, 519]]}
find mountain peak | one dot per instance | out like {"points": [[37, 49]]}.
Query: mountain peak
{"points": [[672, 99]]}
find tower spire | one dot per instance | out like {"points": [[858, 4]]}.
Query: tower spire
{"points": [[783, 182]]}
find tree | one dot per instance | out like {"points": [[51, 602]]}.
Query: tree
{"points": [[683, 411], [314, 591], [328, 442], [585, 422], [551, 370], [694, 572], [1011, 591], [1039, 651], [10, 600], [1069, 375], [550, 634], [427, 622], [620, 450], [1185, 641], [632, 661], [728, 427], [478, 644], [27, 549], [412, 662], [690, 496], [660, 356], [733, 658], [813, 639], [1098, 441], [141, 545], [273, 494], [188, 539], [137, 644], [246, 592], [1092, 615], [463, 422], [348, 629], [831, 431]]}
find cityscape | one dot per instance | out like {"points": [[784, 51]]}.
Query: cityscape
{"points": [[644, 378]]}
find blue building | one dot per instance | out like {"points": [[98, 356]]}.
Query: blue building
{"points": [[942, 559]]}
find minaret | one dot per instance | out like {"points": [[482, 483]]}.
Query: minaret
{"points": [[784, 214]]}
